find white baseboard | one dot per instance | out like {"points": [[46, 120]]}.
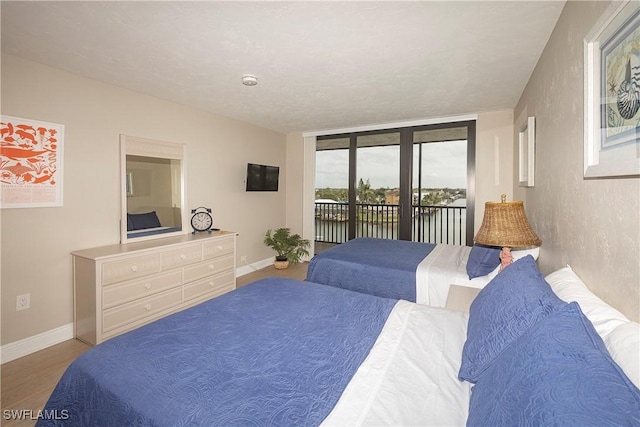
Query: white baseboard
{"points": [[250, 268], [15, 350]]}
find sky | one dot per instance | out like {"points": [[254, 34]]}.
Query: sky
{"points": [[444, 165]]}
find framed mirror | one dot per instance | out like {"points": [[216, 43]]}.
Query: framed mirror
{"points": [[152, 189]]}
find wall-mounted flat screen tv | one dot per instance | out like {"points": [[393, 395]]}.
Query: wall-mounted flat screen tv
{"points": [[262, 177]]}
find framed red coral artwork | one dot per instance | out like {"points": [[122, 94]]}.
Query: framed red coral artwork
{"points": [[31, 158]]}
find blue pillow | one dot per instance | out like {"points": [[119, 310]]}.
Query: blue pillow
{"points": [[143, 220], [482, 261], [516, 299], [558, 373]]}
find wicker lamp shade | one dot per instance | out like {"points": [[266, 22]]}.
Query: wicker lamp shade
{"points": [[505, 224]]}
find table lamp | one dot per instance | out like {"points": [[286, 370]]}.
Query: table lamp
{"points": [[505, 224]]}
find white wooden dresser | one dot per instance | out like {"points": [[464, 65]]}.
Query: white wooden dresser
{"points": [[120, 287]]}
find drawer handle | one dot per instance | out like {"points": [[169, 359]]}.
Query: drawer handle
{"points": [[147, 286], [183, 257], [147, 307], [134, 268], [219, 248], [212, 267], [211, 284]]}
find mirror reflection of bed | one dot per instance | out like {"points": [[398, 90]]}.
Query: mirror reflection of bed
{"points": [[147, 224], [152, 189], [151, 209]]}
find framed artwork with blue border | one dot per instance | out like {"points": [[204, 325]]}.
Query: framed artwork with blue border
{"points": [[612, 93]]}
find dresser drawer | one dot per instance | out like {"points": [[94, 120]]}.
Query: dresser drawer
{"points": [[219, 283], [130, 268], [218, 247], [125, 314], [120, 293], [208, 268], [181, 256]]}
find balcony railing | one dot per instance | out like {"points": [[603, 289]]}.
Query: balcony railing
{"points": [[432, 224]]}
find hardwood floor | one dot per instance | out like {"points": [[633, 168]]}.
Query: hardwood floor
{"points": [[26, 383], [295, 271]]}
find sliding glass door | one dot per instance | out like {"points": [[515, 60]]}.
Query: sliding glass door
{"points": [[377, 185], [441, 185], [413, 183]]}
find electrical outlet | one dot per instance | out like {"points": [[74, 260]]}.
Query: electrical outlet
{"points": [[243, 258], [23, 302]]}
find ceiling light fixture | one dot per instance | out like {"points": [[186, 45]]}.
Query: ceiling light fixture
{"points": [[249, 80]]}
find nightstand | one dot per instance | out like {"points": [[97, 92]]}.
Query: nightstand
{"points": [[461, 297]]}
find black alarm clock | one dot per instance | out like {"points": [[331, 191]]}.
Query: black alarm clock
{"points": [[201, 220]]}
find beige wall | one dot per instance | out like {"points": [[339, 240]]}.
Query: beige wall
{"points": [[592, 225], [36, 242], [295, 183], [301, 185], [494, 160]]}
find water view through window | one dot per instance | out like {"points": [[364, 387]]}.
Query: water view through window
{"points": [[437, 187]]}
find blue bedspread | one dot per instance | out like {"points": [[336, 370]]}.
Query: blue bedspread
{"points": [[276, 352], [386, 268]]}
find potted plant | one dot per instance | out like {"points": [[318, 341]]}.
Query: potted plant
{"points": [[290, 248]]}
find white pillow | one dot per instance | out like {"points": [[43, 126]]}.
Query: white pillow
{"points": [[624, 345], [568, 286], [516, 256], [520, 253]]}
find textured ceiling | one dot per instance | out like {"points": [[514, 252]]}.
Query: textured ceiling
{"points": [[320, 65]]}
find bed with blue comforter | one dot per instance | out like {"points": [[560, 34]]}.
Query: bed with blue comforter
{"points": [[386, 268], [274, 353], [412, 271], [281, 352]]}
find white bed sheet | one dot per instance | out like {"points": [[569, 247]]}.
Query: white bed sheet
{"points": [[446, 265], [411, 374]]}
